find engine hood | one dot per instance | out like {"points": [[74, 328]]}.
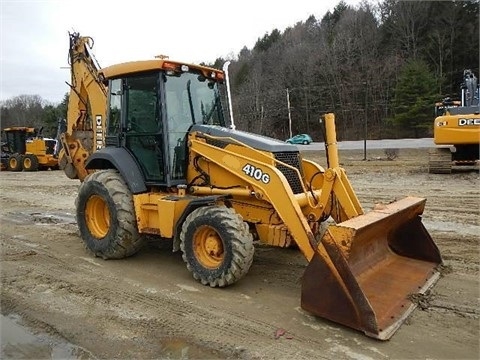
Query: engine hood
{"points": [[259, 142]]}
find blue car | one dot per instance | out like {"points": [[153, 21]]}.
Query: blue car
{"points": [[303, 139]]}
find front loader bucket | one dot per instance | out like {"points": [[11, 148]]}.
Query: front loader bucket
{"points": [[366, 269]]}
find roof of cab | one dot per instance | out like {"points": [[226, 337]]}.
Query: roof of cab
{"points": [[146, 65]]}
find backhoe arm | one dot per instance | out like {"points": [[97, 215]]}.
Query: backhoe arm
{"points": [[86, 109]]}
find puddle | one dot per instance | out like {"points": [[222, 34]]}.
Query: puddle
{"points": [[39, 218], [177, 348], [18, 342]]}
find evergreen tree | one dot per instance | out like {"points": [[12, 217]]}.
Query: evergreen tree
{"points": [[415, 95]]}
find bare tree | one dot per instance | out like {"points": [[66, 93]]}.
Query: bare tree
{"points": [[22, 110], [408, 20]]}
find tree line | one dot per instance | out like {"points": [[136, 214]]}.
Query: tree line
{"points": [[379, 67], [33, 111]]}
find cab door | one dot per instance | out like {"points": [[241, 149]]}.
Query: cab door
{"points": [[135, 122]]}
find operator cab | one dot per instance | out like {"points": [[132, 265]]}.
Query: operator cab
{"points": [[16, 139], [151, 107]]}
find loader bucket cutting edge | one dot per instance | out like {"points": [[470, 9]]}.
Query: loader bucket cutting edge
{"points": [[367, 268]]}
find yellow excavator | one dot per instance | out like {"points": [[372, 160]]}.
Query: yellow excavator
{"points": [[155, 147], [456, 130]]}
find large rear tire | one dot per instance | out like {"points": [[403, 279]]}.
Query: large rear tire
{"points": [[106, 216], [217, 245], [30, 162]]}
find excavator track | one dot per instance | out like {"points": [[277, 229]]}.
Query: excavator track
{"points": [[439, 161]]}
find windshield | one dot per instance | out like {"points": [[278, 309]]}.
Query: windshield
{"points": [[190, 99]]}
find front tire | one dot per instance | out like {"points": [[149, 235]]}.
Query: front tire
{"points": [[30, 163], [217, 245], [106, 216]]}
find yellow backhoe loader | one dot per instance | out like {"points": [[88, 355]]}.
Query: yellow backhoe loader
{"points": [[158, 155]]}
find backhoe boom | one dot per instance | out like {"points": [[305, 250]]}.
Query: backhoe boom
{"points": [[85, 131]]}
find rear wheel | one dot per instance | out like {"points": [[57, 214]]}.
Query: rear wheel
{"points": [[216, 245], [106, 216], [30, 162], [15, 162]]}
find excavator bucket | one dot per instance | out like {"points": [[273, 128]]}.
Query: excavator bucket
{"points": [[367, 270]]}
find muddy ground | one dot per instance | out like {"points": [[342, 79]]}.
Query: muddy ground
{"points": [[65, 303]]}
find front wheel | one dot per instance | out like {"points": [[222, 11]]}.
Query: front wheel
{"points": [[30, 162], [106, 216], [217, 245]]}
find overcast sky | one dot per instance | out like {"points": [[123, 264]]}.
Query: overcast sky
{"points": [[34, 34]]}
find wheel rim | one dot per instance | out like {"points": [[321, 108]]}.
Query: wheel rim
{"points": [[27, 163], [13, 163], [208, 247], [97, 216]]}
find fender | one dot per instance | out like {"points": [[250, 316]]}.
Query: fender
{"points": [[122, 160]]}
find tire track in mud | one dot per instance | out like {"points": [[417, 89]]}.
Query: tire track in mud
{"points": [[17, 252], [463, 311], [137, 313], [175, 318], [46, 190], [432, 301], [46, 278], [181, 315], [455, 194], [461, 207], [98, 293]]}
